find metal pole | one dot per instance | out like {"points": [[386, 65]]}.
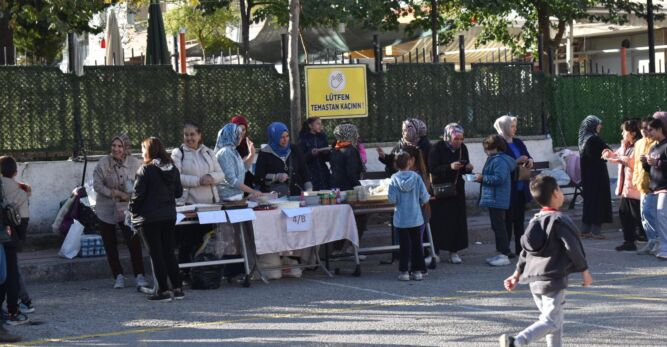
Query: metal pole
{"points": [[285, 46], [651, 36], [70, 52], [181, 42], [540, 48], [462, 53], [175, 55], [378, 53]]}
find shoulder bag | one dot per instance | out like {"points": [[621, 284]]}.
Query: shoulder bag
{"points": [[448, 189]]}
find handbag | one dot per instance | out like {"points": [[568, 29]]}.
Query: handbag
{"points": [[523, 173], [446, 190]]}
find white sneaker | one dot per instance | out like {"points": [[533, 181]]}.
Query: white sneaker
{"points": [[403, 276], [661, 255], [489, 259], [648, 247], [454, 258], [428, 260], [417, 276], [656, 248], [501, 260], [141, 281], [119, 283]]}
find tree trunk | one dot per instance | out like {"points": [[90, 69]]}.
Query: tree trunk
{"points": [[434, 31], [549, 43], [293, 68], [245, 28], [6, 41]]}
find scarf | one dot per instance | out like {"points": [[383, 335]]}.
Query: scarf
{"points": [[127, 147], [587, 130], [503, 126], [410, 136], [451, 131], [240, 120], [421, 127], [275, 131], [229, 135], [346, 133]]}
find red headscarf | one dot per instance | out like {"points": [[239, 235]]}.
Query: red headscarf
{"points": [[243, 147]]}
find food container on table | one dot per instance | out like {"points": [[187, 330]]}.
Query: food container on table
{"points": [[469, 177], [343, 196], [312, 200], [351, 195]]}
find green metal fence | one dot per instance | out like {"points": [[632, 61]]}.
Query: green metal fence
{"points": [[43, 110]]}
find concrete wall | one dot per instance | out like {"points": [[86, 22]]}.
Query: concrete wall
{"points": [[53, 181]]}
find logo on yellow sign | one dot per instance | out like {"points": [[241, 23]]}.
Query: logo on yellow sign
{"points": [[336, 91]]}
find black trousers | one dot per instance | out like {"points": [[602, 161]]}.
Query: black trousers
{"points": [[10, 289], [108, 233], [499, 229], [631, 221], [160, 240], [514, 219], [411, 251]]}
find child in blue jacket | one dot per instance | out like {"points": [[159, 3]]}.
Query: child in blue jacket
{"points": [[496, 180], [408, 192]]}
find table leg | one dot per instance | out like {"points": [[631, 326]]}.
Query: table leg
{"points": [[319, 262], [246, 259]]}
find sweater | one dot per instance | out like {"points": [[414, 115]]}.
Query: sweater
{"points": [[155, 192], [317, 165], [551, 251], [497, 181], [346, 168], [641, 177], [408, 192], [659, 171]]}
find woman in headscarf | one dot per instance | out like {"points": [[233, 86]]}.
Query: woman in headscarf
{"points": [[411, 130], [229, 138], [314, 146], [520, 193], [246, 149], [346, 165], [594, 178], [280, 166], [113, 181], [448, 162]]}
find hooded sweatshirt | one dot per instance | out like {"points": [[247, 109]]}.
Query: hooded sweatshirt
{"points": [[497, 181], [551, 251], [408, 192], [156, 189]]}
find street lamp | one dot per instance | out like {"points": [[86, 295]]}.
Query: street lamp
{"points": [[651, 37]]}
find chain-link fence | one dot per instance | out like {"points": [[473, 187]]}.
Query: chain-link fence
{"points": [[44, 111]]}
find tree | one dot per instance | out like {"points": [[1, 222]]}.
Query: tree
{"points": [[293, 68], [204, 23]]}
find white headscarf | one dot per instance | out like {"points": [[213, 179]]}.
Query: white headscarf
{"points": [[503, 126]]}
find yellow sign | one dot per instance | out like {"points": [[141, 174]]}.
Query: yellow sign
{"points": [[336, 91]]}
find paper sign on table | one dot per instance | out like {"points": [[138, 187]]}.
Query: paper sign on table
{"points": [[241, 215], [179, 217], [298, 219], [212, 217]]}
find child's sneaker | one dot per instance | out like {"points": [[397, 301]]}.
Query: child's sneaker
{"points": [[506, 340], [403, 276], [17, 318], [455, 258], [417, 276], [141, 281], [500, 260], [26, 307], [119, 283]]}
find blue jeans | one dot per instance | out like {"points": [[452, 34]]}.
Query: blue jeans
{"points": [[661, 218], [649, 213]]}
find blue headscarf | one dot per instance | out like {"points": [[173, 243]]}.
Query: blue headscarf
{"points": [[275, 131], [229, 135]]}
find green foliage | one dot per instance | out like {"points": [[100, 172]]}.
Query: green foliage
{"points": [[206, 24]]}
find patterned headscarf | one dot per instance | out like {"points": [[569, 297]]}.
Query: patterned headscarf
{"points": [[127, 144], [662, 115], [229, 135], [346, 133], [587, 130], [409, 129], [275, 131], [421, 127], [451, 130], [503, 126]]}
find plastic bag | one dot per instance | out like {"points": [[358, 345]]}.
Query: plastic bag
{"points": [[562, 178], [208, 277], [92, 195], [72, 244]]}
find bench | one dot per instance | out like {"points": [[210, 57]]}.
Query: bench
{"points": [[538, 166]]}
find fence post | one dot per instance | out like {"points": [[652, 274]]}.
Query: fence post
{"points": [[462, 53], [540, 48], [175, 54], [71, 52], [283, 51], [550, 57], [378, 53]]}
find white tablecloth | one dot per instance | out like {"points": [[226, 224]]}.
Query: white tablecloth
{"points": [[330, 223]]}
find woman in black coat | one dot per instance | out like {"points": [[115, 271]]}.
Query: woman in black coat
{"points": [[448, 161], [520, 194], [153, 208], [346, 165], [594, 179], [315, 148], [414, 134], [280, 166]]}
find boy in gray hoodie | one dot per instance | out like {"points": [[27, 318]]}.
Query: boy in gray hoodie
{"points": [[408, 192], [551, 251]]}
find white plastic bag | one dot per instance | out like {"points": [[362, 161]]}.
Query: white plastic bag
{"points": [[72, 244], [561, 176]]}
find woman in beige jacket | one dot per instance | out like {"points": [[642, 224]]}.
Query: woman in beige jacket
{"points": [[113, 181], [200, 174]]}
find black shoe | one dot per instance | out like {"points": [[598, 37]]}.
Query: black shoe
{"points": [[17, 318], [506, 340], [160, 297], [630, 247], [178, 294], [511, 255]]}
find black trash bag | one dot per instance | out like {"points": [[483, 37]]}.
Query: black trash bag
{"points": [[208, 277]]}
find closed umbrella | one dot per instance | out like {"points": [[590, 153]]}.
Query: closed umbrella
{"points": [[156, 47], [114, 48]]}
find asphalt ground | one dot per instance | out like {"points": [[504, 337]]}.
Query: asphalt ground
{"points": [[456, 305]]}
